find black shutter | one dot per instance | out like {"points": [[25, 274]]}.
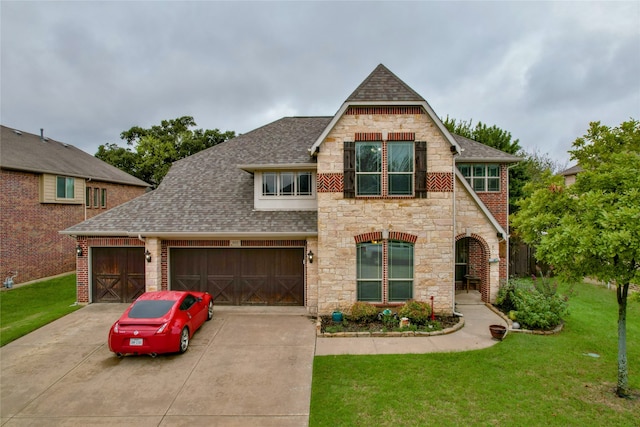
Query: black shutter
{"points": [[349, 169], [421, 169]]}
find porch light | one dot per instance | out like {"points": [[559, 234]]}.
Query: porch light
{"points": [[79, 250], [147, 255], [310, 257]]}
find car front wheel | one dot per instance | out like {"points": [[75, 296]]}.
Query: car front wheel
{"points": [[210, 311], [184, 339]]}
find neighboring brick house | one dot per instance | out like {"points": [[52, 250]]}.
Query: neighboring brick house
{"points": [[47, 186], [570, 174], [378, 203]]}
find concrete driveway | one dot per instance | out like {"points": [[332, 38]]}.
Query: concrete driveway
{"points": [[247, 366]]}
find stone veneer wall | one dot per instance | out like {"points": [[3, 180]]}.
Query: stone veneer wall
{"points": [[340, 220]]}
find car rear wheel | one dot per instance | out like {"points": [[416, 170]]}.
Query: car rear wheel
{"points": [[184, 339], [210, 311]]}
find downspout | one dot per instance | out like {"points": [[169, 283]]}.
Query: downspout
{"points": [[453, 240]]}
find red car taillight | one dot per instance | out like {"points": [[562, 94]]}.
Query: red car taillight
{"points": [[162, 328], [115, 328]]}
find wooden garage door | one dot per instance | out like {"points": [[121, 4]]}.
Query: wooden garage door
{"points": [[117, 274], [241, 276]]}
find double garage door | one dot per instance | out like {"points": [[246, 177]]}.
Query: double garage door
{"points": [[234, 276]]}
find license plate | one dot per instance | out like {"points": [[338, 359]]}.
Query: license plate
{"points": [[135, 341]]}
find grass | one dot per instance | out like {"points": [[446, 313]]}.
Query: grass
{"points": [[527, 380], [27, 308]]}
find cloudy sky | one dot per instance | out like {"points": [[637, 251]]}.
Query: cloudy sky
{"points": [[86, 71]]}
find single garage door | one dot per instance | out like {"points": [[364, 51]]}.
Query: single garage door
{"points": [[117, 274], [237, 276]]}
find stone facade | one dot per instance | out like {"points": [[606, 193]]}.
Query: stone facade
{"points": [[341, 220]]}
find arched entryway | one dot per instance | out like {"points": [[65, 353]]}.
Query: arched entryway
{"points": [[472, 265]]}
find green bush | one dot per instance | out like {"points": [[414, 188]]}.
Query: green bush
{"points": [[534, 306], [418, 312], [363, 312]]}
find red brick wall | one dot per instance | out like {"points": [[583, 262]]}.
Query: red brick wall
{"points": [[29, 238], [498, 202], [117, 194]]}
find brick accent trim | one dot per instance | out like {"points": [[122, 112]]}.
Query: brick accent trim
{"points": [[352, 111], [401, 136], [368, 136], [393, 235], [440, 182], [330, 183]]}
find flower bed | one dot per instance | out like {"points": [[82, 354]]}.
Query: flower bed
{"points": [[326, 327]]}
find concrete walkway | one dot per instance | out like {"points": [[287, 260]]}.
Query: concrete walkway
{"points": [[473, 336]]}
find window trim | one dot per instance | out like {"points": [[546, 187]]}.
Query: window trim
{"points": [[295, 183], [472, 178]]}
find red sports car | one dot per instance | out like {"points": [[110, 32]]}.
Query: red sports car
{"points": [[160, 322]]}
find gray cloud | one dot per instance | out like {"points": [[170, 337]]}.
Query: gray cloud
{"points": [[86, 71]]}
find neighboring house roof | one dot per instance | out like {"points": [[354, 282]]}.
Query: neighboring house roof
{"points": [[474, 152], [209, 194], [573, 170], [27, 152]]}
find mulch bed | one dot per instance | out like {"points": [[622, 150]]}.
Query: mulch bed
{"points": [[377, 326]]}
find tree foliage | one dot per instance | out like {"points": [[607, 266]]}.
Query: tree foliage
{"points": [[592, 228], [156, 148]]}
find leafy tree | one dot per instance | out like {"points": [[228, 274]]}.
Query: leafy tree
{"points": [[592, 228], [156, 148], [492, 136]]}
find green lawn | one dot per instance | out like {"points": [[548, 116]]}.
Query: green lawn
{"points": [[526, 380], [29, 307]]}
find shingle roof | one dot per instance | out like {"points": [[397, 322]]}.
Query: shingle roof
{"points": [[383, 85], [24, 151], [207, 193], [474, 151], [573, 170]]}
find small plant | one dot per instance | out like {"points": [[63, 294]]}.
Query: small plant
{"points": [[363, 312], [418, 312], [388, 319]]}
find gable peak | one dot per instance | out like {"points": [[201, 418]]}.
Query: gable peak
{"points": [[383, 85]]}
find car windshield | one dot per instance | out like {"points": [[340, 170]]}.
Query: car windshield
{"points": [[150, 309]]}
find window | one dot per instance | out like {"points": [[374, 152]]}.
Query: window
{"points": [[96, 197], [396, 278], [287, 184], [481, 177], [103, 201], [65, 187], [88, 197], [385, 168], [400, 168]]}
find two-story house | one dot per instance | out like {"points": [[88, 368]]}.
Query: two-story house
{"points": [[46, 186], [378, 203]]}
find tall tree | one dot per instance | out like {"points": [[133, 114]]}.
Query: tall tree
{"points": [[156, 148], [592, 228]]}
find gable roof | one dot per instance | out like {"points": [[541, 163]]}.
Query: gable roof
{"points": [[573, 170], [209, 194], [27, 152], [474, 152], [383, 85], [383, 88]]}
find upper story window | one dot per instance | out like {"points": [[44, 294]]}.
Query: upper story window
{"points": [[287, 184], [65, 187], [481, 176], [379, 163]]}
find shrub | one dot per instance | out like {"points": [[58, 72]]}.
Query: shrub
{"points": [[418, 312], [534, 306], [363, 312]]}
